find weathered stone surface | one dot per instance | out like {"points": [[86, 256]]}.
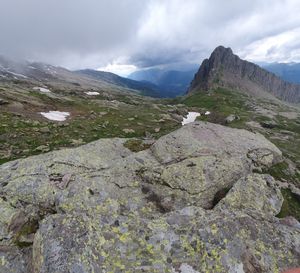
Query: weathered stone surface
{"points": [[103, 208], [246, 195]]}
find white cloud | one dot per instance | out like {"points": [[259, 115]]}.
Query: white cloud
{"points": [[120, 69], [118, 34], [284, 47]]}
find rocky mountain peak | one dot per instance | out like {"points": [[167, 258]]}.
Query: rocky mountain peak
{"points": [[221, 52], [225, 69]]}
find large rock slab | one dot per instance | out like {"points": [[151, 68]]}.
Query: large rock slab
{"points": [[103, 208]]}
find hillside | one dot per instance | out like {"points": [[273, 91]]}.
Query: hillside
{"points": [[224, 69], [146, 88]]}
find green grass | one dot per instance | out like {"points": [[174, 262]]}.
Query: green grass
{"points": [[136, 145], [22, 135], [221, 103], [290, 206], [279, 171]]}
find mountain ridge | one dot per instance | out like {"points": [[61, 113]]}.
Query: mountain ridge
{"points": [[225, 69], [146, 88], [37, 72], [287, 71], [173, 81]]}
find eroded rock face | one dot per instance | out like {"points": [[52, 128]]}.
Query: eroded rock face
{"points": [[103, 208], [225, 69]]}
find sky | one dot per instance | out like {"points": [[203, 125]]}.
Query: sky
{"points": [[123, 36]]}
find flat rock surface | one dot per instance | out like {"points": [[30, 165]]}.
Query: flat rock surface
{"points": [[189, 203]]}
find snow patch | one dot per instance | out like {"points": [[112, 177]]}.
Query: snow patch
{"points": [[191, 117], [207, 113], [92, 93], [18, 75], [55, 115], [42, 89]]}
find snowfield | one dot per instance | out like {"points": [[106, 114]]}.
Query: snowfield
{"points": [[56, 115], [16, 74], [191, 117], [92, 93], [42, 89]]}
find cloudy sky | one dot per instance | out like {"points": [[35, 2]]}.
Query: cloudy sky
{"points": [[125, 35]]}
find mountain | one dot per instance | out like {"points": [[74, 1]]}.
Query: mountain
{"points": [[287, 71], [34, 73], [146, 88], [224, 69], [171, 82]]}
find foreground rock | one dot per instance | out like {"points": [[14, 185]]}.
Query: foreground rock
{"points": [[190, 203]]}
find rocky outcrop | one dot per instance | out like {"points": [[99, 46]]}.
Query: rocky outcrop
{"points": [[224, 69], [189, 203]]}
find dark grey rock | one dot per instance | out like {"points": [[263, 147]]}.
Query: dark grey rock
{"points": [[225, 69]]}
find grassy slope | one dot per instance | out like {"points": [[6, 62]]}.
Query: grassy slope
{"points": [[92, 118]]}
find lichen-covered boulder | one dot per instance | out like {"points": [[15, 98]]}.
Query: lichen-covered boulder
{"points": [[190, 203], [254, 193]]}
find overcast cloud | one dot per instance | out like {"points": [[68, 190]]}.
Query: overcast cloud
{"points": [[125, 34]]}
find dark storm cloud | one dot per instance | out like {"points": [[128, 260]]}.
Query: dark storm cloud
{"points": [[94, 33], [70, 28]]}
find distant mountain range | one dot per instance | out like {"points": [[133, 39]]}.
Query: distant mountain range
{"points": [[222, 68], [287, 71], [172, 83], [154, 83], [225, 69], [146, 88], [45, 74]]}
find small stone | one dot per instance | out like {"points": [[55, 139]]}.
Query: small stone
{"points": [[45, 130], [231, 118], [77, 142], [3, 102], [42, 148], [128, 131]]}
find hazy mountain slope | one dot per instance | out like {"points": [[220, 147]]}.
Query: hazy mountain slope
{"points": [[172, 82], [44, 74], [224, 69], [146, 88], [287, 71]]}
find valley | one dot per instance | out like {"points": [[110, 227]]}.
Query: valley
{"points": [[24, 131]]}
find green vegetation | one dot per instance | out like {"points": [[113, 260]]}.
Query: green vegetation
{"points": [[27, 133], [221, 103], [290, 206], [136, 145], [28, 229], [281, 171]]}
